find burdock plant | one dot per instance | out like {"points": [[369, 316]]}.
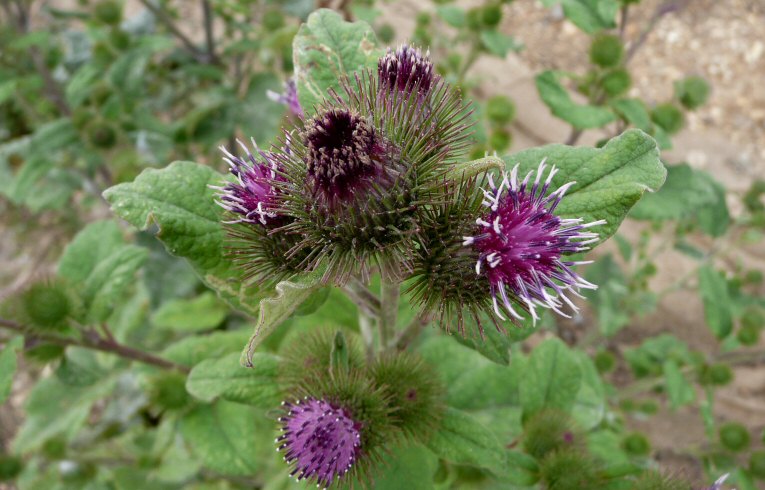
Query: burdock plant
{"points": [[369, 189]]}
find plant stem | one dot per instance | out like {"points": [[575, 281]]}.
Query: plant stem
{"points": [[367, 335], [363, 298], [391, 290], [665, 8], [163, 17], [209, 37], [92, 340], [411, 332]]}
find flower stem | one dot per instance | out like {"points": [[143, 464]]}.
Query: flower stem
{"points": [[391, 289], [367, 335], [93, 340], [410, 333]]}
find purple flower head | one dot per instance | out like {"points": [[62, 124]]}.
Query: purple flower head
{"points": [[252, 196], [404, 68], [288, 98], [345, 154], [521, 243], [321, 441]]}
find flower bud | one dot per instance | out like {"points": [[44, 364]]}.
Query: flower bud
{"points": [[668, 117], [692, 92], [606, 50], [405, 69], [734, 436]]}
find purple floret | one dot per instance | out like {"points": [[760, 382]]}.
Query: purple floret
{"points": [[252, 197], [404, 69], [320, 440], [521, 245]]}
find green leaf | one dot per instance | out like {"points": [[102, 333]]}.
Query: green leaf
{"points": [[226, 378], [609, 297], [495, 345], [410, 467], [580, 116], [102, 266], [679, 390], [56, 409], [325, 49], [193, 350], [591, 15], [273, 311], [224, 436], [634, 112], [472, 381], [180, 202], [463, 440], [8, 366], [685, 193], [204, 312], [714, 218], [552, 378], [609, 180], [499, 44], [452, 15], [590, 404], [713, 289]]}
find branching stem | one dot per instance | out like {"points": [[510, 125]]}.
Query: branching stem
{"points": [[95, 341]]}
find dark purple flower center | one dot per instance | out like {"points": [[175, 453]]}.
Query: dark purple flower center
{"points": [[345, 154], [252, 196], [521, 244], [321, 440], [405, 68]]}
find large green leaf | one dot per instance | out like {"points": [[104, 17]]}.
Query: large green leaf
{"points": [[552, 378], [717, 302], [224, 436], [227, 379], [591, 16], [462, 439], [581, 116], [180, 202], [204, 312], [56, 409], [193, 350], [410, 467], [325, 49], [609, 180], [101, 265], [685, 193]]}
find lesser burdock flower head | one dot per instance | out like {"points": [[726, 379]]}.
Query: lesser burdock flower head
{"points": [[521, 244], [320, 440], [252, 198], [406, 69], [346, 155]]}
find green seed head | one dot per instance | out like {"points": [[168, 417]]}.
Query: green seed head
{"points": [[10, 467], [102, 135], [491, 15], [604, 361], [692, 92], [669, 117], [636, 444], [413, 393], [617, 82], [569, 469], [748, 335], [500, 109], [549, 431], [45, 305], [734, 436], [108, 12], [500, 139], [757, 464], [606, 51]]}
